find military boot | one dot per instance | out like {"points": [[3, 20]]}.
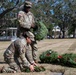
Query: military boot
{"points": [[1, 69], [7, 70]]}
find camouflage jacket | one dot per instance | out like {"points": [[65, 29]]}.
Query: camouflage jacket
{"points": [[17, 49], [25, 19]]}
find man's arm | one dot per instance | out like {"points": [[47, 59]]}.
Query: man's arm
{"points": [[25, 63], [21, 49], [33, 21]]}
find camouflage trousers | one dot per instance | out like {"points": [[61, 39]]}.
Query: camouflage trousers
{"points": [[14, 65]]}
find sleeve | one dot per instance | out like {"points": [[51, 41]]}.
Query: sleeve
{"points": [[33, 20], [29, 54], [22, 50], [22, 22], [24, 60]]}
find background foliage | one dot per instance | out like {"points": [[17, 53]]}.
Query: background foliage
{"points": [[52, 13]]}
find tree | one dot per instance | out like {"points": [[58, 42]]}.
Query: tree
{"points": [[72, 10], [5, 6], [59, 12], [41, 10], [8, 12], [63, 11]]}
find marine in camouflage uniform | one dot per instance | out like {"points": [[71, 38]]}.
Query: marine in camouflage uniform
{"points": [[16, 50], [26, 22]]}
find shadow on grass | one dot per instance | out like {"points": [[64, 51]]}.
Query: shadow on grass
{"points": [[58, 63], [2, 62]]}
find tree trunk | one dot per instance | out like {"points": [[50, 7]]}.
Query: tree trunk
{"points": [[63, 30], [63, 34], [74, 34]]}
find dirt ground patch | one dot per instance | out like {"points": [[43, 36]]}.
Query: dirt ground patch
{"points": [[60, 45]]}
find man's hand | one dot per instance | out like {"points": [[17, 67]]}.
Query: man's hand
{"points": [[35, 64], [32, 25], [28, 40], [31, 68]]}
